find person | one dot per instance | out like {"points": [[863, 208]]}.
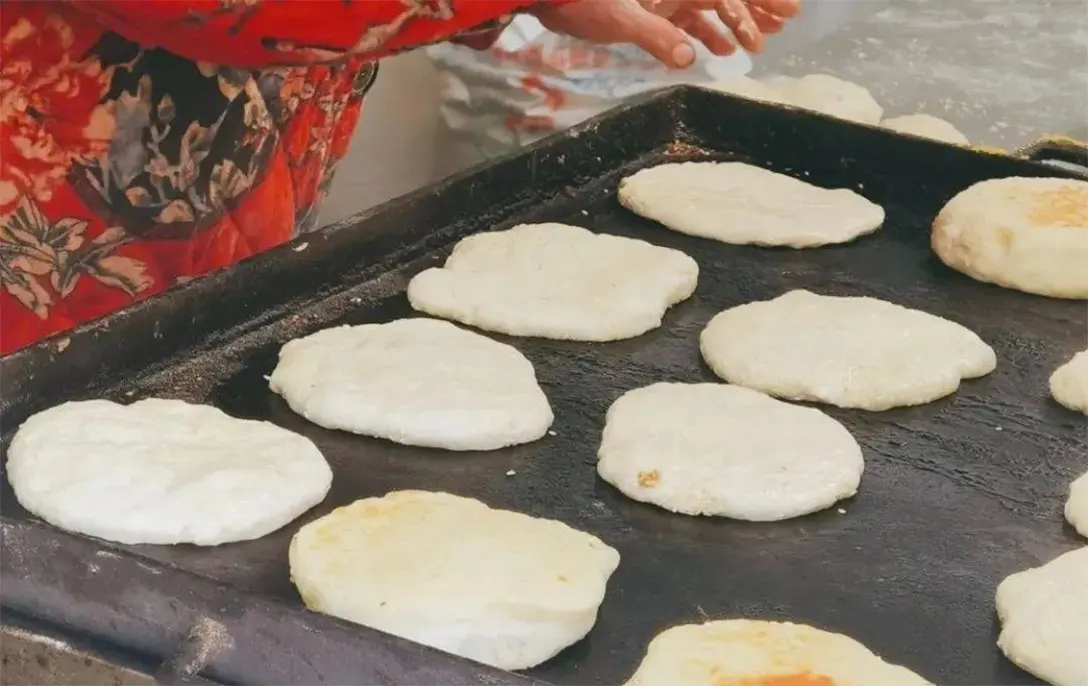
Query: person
{"points": [[145, 143]]}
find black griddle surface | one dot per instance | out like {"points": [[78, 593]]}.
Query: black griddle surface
{"points": [[956, 494]]}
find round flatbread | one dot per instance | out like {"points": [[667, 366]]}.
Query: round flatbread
{"points": [[832, 96], [1069, 383], [163, 471], [817, 92], [712, 449], [495, 586], [748, 652], [1076, 508], [742, 204], [747, 87], [556, 281], [926, 126], [418, 382], [1043, 615], [854, 352], [1029, 234]]}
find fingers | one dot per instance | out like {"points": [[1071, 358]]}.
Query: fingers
{"points": [[478, 40], [784, 9], [771, 15], [736, 15], [658, 36], [710, 34], [767, 17], [767, 22]]}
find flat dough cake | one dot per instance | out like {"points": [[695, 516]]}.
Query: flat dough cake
{"points": [[748, 652], [1029, 234], [832, 96], [855, 352], [556, 281], [926, 126], [494, 586], [712, 449], [747, 87], [421, 382], [738, 203], [817, 92], [1076, 507], [163, 471], [1069, 383], [1044, 619]]}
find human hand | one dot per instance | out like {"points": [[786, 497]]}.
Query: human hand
{"points": [[748, 20], [482, 37], [663, 27]]}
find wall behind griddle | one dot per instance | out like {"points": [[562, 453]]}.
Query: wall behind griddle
{"points": [[394, 147]]}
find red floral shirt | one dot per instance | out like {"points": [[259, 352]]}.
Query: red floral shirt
{"points": [[147, 142]]}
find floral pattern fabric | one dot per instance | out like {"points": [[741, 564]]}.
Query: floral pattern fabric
{"points": [[146, 143]]}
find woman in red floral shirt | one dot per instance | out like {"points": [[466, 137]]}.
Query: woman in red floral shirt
{"points": [[146, 142]]}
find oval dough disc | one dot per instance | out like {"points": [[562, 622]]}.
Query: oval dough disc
{"points": [[163, 471], [852, 352], [1043, 614], [817, 92], [1029, 234], [1069, 383], [414, 381], [495, 586], [747, 87], [926, 126], [748, 652], [832, 96], [712, 449], [556, 281], [738, 203], [1076, 508]]}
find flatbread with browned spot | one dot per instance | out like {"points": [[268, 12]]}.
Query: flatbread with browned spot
{"points": [[727, 451], [499, 587], [747, 652], [1029, 234]]}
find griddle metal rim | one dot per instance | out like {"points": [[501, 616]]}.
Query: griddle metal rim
{"points": [[47, 573]]}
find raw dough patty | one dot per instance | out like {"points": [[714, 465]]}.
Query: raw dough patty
{"points": [[414, 381], [163, 471], [817, 92], [747, 87], [832, 96], [1044, 619], [926, 126], [741, 204], [1076, 508], [747, 652], [1069, 383], [1029, 234], [852, 352], [556, 281], [712, 449], [495, 586]]}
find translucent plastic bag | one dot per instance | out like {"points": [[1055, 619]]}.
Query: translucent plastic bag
{"points": [[533, 82]]}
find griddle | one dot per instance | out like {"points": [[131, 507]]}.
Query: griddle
{"points": [[956, 494]]}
